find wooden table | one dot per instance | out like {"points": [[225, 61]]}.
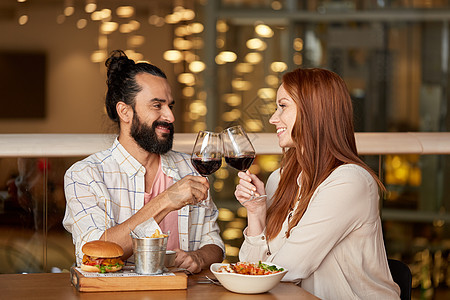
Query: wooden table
{"points": [[58, 286]]}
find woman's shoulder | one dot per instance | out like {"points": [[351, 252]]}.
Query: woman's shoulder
{"points": [[355, 187], [352, 170], [352, 173], [274, 177], [272, 183]]}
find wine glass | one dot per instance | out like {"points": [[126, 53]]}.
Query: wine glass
{"points": [[207, 155], [239, 152]]}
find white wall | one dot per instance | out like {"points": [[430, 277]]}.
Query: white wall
{"points": [[75, 85]]}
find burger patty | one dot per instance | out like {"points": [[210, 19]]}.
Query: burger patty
{"points": [[94, 261]]}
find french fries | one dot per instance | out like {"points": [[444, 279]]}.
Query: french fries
{"points": [[157, 235]]}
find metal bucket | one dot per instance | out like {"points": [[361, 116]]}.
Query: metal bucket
{"points": [[149, 254]]}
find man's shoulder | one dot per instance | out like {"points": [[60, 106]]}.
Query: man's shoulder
{"points": [[178, 162], [176, 156], [94, 161]]}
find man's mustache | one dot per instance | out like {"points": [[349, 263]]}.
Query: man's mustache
{"points": [[164, 124]]}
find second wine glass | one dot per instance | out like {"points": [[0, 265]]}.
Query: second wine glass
{"points": [[207, 155], [239, 152]]}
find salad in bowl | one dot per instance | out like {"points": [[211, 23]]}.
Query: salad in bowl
{"points": [[247, 277]]}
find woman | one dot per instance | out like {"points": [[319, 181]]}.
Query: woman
{"points": [[321, 221]]}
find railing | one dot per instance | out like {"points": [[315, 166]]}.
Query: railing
{"points": [[73, 145]]}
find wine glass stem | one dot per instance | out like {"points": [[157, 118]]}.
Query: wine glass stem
{"points": [[255, 198]]}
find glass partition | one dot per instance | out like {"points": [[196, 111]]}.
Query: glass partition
{"points": [[32, 205], [414, 213]]}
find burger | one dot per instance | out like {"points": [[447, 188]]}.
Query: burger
{"points": [[101, 256]]}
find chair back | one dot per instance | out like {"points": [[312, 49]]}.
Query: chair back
{"points": [[402, 276]]}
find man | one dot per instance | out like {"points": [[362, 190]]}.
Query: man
{"points": [[139, 177]]}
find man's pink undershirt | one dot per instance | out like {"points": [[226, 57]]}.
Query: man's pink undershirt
{"points": [[161, 183]]}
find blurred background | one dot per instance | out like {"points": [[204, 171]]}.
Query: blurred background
{"points": [[224, 61]]}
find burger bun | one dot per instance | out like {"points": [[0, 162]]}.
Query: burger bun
{"points": [[87, 268], [102, 249]]}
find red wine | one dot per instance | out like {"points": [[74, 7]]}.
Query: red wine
{"points": [[206, 167], [241, 163]]}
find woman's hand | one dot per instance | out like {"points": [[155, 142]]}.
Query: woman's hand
{"points": [[249, 186]]}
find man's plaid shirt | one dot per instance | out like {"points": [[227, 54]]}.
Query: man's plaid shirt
{"points": [[107, 188]]}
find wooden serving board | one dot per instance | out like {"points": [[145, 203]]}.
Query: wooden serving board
{"points": [[133, 283]]}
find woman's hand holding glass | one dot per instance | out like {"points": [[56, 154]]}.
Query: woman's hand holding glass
{"points": [[239, 153], [250, 190], [249, 186]]}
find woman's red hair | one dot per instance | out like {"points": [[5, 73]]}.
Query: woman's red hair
{"points": [[324, 139]]}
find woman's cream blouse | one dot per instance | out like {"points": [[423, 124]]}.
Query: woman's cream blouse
{"points": [[336, 251]]}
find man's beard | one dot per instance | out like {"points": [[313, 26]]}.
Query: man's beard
{"points": [[146, 136]]}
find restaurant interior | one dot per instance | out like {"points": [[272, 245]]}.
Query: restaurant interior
{"points": [[224, 61]]}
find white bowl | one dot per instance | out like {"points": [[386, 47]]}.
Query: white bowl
{"points": [[247, 284]]}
